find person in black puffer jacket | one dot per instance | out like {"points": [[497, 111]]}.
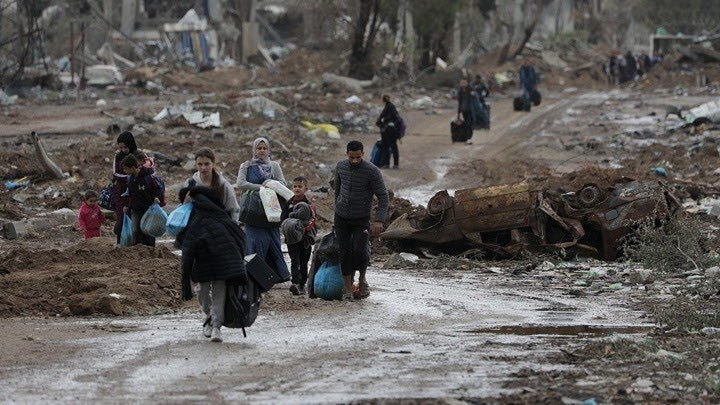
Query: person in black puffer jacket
{"points": [[213, 249]]}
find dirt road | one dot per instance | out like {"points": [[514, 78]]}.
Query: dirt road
{"points": [[428, 334], [441, 333]]}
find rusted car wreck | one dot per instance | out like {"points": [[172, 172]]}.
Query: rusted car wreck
{"points": [[509, 219]]}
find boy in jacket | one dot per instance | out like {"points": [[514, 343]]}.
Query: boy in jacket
{"points": [[300, 252], [144, 190], [90, 218]]}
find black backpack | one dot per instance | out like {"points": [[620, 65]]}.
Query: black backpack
{"points": [[242, 303]]}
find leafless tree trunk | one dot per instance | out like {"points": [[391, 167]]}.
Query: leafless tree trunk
{"points": [[363, 38], [530, 29]]}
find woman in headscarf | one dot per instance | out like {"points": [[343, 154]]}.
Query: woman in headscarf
{"points": [[126, 146], [265, 242]]}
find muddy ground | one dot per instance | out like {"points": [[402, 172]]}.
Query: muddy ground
{"points": [[87, 321]]}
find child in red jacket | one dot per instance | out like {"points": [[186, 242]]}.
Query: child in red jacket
{"points": [[90, 217]]}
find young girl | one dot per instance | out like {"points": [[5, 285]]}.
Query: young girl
{"points": [[212, 252], [209, 177], [90, 218]]}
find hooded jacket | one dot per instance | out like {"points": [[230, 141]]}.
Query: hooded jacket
{"points": [[90, 218], [229, 198], [213, 246]]}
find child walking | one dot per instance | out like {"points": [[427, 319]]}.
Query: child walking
{"points": [[144, 188], [297, 207], [90, 218]]}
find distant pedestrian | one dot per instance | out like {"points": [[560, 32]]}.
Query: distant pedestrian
{"points": [[480, 87], [465, 111], [126, 146], [213, 250], [300, 208], [389, 124], [631, 66], [528, 81], [356, 182], [90, 218], [265, 242]]}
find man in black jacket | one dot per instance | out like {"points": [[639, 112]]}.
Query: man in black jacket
{"points": [[356, 181], [213, 249]]}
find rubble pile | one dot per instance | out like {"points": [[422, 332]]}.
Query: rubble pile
{"points": [[92, 277]]}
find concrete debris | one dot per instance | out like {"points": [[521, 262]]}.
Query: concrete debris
{"points": [[7, 100], [103, 75], [262, 104], [353, 100], [14, 230], [422, 103], [347, 83], [709, 110]]}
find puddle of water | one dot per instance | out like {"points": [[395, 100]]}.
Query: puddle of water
{"points": [[562, 330]]}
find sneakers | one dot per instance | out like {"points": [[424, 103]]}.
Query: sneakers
{"points": [[468, 142], [294, 289], [348, 296], [216, 335], [364, 290], [207, 328]]}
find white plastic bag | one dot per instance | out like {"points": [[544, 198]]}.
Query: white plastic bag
{"points": [[279, 188], [271, 204]]}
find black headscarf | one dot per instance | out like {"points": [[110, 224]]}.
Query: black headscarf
{"points": [[128, 139]]}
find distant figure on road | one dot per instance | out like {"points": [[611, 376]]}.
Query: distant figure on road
{"points": [[389, 124], [356, 181], [465, 113], [528, 81]]}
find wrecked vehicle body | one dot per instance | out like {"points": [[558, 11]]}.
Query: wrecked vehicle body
{"points": [[509, 219]]}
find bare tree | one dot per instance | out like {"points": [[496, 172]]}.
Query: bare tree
{"points": [[528, 30], [363, 39]]}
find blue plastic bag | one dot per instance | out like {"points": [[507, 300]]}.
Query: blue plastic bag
{"points": [[178, 219], [153, 222], [126, 236], [328, 282]]}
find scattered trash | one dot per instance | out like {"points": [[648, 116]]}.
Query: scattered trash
{"points": [[347, 83], [330, 130], [262, 104], [20, 183], [100, 103], [660, 171], [709, 110], [197, 118]]}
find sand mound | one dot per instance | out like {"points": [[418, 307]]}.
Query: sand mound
{"points": [[89, 278]]}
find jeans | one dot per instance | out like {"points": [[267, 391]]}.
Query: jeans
{"points": [[526, 97], [389, 145], [352, 236], [211, 295]]}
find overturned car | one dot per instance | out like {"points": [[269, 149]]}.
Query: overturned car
{"points": [[509, 219]]}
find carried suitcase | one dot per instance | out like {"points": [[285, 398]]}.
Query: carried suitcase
{"points": [[519, 104], [535, 97], [376, 156], [260, 272], [458, 133]]}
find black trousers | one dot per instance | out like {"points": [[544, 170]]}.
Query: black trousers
{"points": [[299, 258], [352, 236], [388, 140], [468, 124]]}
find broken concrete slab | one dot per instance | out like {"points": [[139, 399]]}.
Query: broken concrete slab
{"points": [[422, 103], [14, 230], [347, 83], [260, 104]]}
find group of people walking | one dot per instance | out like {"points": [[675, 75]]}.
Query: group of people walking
{"points": [[214, 243]]}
